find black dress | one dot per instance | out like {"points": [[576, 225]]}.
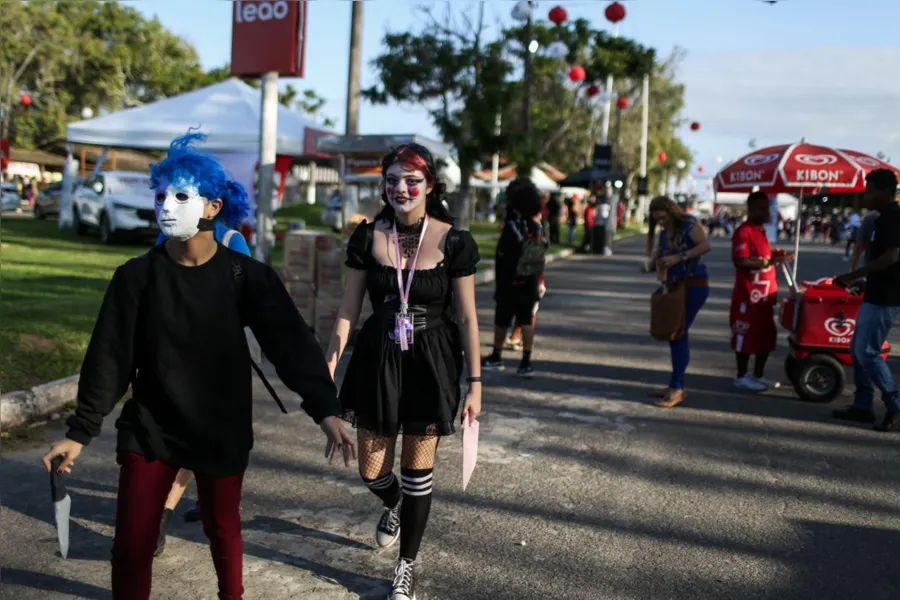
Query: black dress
{"points": [[387, 391]]}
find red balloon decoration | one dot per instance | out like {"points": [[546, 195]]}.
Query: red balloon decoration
{"points": [[622, 103], [593, 91], [701, 169], [25, 100], [615, 12], [695, 126], [558, 15], [662, 156], [577, 74]]}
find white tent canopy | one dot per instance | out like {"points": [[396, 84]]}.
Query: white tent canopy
{"points": [[537, 176], [228, 112]]}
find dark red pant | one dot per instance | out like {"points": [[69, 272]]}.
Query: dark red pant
{"points": [[143, 488]]}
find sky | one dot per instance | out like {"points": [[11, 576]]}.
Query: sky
{"points": [[826, 70]]}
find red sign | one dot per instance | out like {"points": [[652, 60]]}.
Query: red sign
{"points": [[268, 35]]}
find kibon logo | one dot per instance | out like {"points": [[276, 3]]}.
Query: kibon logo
{"points": [[867, 161], [840, 331], [248, 12], [755, 160], [816, 160]]}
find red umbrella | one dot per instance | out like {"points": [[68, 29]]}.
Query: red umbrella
{"points": [[793, 168], [799, 169]]}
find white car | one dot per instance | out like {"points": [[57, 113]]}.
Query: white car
{"points": [[117, 204]]}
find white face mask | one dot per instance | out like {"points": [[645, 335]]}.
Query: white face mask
{"points": [[179, 210]]}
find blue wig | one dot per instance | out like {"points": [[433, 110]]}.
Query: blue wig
{"points": [[184, 165]]}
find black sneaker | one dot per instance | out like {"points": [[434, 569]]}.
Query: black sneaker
{"points": [[193, 514], [161, 540], [891, 423], [404, 586], [489, 363], [855, 414], [526, 371], [388, 529]]}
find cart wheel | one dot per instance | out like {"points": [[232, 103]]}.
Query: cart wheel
{"points": [[790, 366], [819, 378]]}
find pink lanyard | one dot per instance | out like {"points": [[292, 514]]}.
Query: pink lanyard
{"points": [[404, 294]]}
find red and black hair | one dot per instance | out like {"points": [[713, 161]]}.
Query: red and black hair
{"points": [[416, 157]]}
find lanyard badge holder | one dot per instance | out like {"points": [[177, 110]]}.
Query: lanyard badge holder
{"points": [[403, 321]]}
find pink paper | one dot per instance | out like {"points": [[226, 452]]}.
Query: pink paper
{"points": [[470, 449]]}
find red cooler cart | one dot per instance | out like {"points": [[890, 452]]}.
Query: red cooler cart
{"points": [[821, 319]]}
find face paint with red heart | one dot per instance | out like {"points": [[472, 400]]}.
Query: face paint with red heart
{"points": [[406, 188]]}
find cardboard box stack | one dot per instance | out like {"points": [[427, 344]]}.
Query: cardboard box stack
{"points": [[313, 274]]}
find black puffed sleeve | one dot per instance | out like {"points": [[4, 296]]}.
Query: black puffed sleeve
{"points": [[359, 247], [463, 254]]}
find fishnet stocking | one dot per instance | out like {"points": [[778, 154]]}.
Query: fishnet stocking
{"points": [[376, 454], [419, 451]]}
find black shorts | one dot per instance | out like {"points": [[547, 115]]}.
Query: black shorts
{"points": [[516, 305]]}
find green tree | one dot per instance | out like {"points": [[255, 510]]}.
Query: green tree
{"points": [[666, 106], [563, 117], [71, 54], [459, 75]]}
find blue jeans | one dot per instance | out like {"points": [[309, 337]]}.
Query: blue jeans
{"points": [[680, 348], [869, 370]]}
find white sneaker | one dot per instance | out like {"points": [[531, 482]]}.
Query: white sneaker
{"points": [[404, 586], [748, 382], [769, 383]]}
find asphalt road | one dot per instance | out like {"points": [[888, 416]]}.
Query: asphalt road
{"points": [[584, 489]]}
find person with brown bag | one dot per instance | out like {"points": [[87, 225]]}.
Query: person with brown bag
{"points": [[685, 287]]}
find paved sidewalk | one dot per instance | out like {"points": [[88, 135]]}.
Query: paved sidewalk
{"points": [[584, 489]]}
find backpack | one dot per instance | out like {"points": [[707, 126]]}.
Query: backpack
{"points": [[533, 257]]}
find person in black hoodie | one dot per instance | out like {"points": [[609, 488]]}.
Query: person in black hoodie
{"points": [[172, 326], [554, 209], [519, 264]]}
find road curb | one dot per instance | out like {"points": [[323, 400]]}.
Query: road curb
{"points": [[21, 406]]}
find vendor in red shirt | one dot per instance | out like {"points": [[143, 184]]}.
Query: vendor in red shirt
{"points": [[590, 213], [755, 294]]}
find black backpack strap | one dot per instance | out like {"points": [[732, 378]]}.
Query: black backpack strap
{"points": [[237, 271]]}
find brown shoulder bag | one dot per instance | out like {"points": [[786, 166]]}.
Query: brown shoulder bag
{"points": [[668, 305]]}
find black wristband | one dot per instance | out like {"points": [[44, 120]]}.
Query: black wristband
{"points": [[473, 379]]}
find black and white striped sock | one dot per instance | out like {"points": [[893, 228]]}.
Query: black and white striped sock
{"points": [[385, 488], [417, 485]]}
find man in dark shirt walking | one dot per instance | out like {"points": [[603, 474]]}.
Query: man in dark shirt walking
{"points": [[172, 325], [880, 307]]}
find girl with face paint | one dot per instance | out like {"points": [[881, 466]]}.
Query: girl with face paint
{"points": [[404, 373], [172, 327]]}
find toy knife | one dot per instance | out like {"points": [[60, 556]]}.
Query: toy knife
{"points": [[62, 506]]}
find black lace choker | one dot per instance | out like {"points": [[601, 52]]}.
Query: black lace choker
{"points": [[409, 236]]}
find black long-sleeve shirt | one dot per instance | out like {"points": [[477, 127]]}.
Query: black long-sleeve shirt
{"points": [[176, 334]]}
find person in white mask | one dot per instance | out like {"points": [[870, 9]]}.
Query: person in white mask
{"points": [[172, 327]]}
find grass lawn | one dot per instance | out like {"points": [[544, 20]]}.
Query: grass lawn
{"points": [[51, 286]]}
